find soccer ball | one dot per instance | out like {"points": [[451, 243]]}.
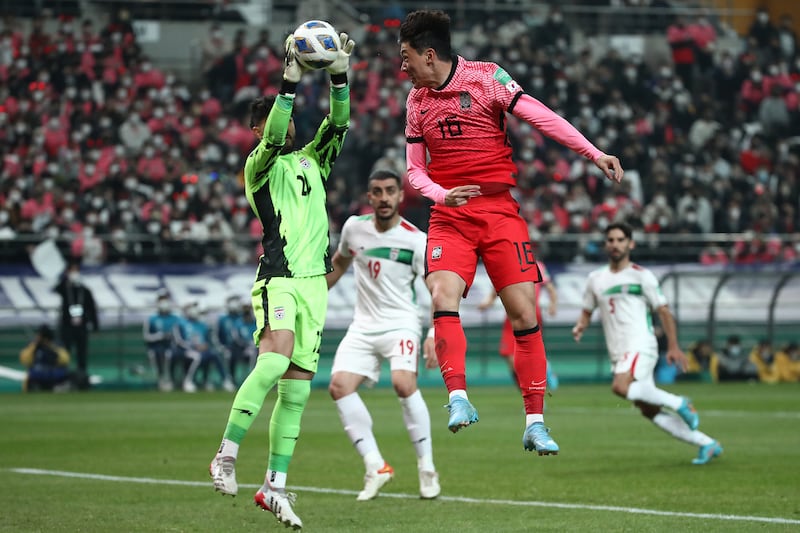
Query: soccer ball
{"points": [[316, 44]]}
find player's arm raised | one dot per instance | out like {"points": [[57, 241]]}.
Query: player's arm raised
{"points": [[273, 138], [556, 127]]}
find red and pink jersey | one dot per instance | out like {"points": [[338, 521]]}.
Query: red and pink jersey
{"points": [[463, 126]]}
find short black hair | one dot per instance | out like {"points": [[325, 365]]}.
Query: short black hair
{"points": [[383, 174], [624, 227], [46, 332], [427, 28], [259, 109]]}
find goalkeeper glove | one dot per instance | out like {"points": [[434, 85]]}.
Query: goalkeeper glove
{"points": [[342, 61], [291, 67]]}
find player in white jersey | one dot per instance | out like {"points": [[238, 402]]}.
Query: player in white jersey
{"points": [[389, 254], [626, 293]]}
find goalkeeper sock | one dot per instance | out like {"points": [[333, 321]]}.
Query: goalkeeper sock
{"points": [[284, 428], [250, 397]]}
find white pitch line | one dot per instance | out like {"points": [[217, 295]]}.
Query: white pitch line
{"points": [[458, 499]]}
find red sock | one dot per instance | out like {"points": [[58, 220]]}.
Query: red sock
{"points": [[451, 349], [530, 364]]}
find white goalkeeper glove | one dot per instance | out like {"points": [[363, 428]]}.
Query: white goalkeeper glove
{"points": [[292, 71], [342, 61]]}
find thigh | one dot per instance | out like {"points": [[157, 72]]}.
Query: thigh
{"points": [[357, 354], [507, 251], [451, 246], [401, 348], [639, 365], [274, 305], [311, 295]]}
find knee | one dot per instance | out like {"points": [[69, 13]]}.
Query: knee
{"points": [[648, 410], [444, 297], [620, 389], [338, 388], [294, 393], [522, 317], [404, 387]]}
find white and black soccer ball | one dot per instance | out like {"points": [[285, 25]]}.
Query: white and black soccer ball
{"points": [[316, 44]]}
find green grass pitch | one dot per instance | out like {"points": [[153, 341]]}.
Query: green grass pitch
{"points": [[138, 461]]}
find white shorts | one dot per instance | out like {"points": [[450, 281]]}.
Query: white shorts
{"points": [[640, 365], [362, 354]]}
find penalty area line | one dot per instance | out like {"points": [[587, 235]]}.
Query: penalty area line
{"points": [[455, 499]]}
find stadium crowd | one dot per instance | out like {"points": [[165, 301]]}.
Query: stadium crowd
{"points": [[99, 142]]}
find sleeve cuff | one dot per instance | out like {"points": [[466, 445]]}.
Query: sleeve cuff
{"points": [[288, 87], [339, 79]]}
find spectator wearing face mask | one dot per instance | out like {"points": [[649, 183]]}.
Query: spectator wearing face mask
{"points": [[78, 314], [734, 364]]}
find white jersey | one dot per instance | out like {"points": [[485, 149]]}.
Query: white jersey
{"points": [[386, 267], [626, 299]]}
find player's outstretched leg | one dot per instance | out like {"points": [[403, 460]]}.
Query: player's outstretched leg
{"points": [[462, 413], [537, 437], [280, 503], [374, 480], [707, 452]]}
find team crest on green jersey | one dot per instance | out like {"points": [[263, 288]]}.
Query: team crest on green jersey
{"points": [[304, 163]]}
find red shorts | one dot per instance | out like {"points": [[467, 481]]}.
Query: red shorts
{"points": [[489, 227]]}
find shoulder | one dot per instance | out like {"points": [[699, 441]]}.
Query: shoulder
{"points": [[642, 271], [408, 226]]}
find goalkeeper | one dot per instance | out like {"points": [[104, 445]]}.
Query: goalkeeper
{"points": [[286, 190]]}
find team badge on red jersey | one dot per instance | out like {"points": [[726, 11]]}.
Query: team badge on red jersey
{"points": [[466, 101], [436, 253]]}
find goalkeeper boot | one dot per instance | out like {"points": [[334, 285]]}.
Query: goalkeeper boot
{"points": [[280, 503], [707, 452], [537, 437], [462, 413], [223, 471], [688, 414], [374, 480]]}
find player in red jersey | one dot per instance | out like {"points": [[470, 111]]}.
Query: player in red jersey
{"points": [[456, 117]]}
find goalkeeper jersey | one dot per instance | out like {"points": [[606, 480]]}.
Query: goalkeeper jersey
{"points": [[288, 192]]}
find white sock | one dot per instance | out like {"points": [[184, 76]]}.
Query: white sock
{"points": [[458, 392], [228, 448], [418, 424], [676, 427], [274, 480], [357, 424], [531, 418], [649, 393]]}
